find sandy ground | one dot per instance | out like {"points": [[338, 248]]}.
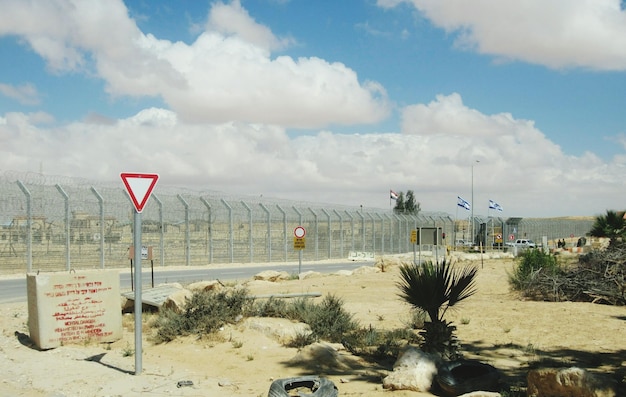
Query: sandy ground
{"points": [[494, 326]]}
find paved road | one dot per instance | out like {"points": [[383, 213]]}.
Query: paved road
{"points": [[14, 289]]}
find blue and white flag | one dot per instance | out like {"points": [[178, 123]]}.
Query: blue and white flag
{"points": [[494, 206], [462, 203]]}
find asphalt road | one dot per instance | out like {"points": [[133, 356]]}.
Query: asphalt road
{"points": [[14, 289]]}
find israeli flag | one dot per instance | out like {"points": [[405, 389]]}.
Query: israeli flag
{"points": [[462, 203], [495, 206]]}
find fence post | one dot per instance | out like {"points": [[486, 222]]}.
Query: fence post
{"points": [[284, 229], [269, 232], [329, 234], [209, 231], [316, 232], [360, 214], [101, 205], [373, 233], [66, 200], [382, 234], [230, 230], [29, 227], [250, 241], [187, 237], [161, 231], [351, 230], [340, 232]]}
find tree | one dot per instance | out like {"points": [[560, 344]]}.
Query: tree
{"points": [[433, 288], [410, 206], [399, 208], [611, 225], [406, 205]]}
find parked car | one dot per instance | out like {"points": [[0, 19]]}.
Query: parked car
{"points": [[463, 243], [522, 243]]}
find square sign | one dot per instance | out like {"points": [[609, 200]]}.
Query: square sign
{"points": [[139, 187]]}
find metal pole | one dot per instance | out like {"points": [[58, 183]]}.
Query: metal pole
{"points": [[316, 232], [284, 229], [161, 231], [101, 205], [269, 232], [210, 242], [250, 243], [29, 227], [138, 302], [340, 230], [66, 199], [231, 252]]}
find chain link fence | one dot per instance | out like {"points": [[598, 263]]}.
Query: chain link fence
{"points": [[61, 223]]}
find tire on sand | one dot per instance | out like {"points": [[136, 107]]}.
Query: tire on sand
{"points": [[465, 376], [319, 387]]}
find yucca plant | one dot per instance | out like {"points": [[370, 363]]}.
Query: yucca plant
{"points": [[433, 288]]}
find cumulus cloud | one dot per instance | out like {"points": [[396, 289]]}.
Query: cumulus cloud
{"points": [[228, 73], [557, 33], [519, 166]]}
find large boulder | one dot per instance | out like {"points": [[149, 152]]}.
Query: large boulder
{"points": [[272, 275], [555, 382], [204, 286], [414, 370], [177, 300]]}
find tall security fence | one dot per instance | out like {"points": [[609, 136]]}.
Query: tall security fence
{"points": [[55, 223], [61, 223]]}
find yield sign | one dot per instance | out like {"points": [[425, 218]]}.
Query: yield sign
{"points": [[139, 187]]}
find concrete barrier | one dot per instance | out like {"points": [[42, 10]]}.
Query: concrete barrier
{"points": [[66, 308]]}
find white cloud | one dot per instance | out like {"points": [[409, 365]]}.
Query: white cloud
{"points": [[232, 19], [519, 167], [227, 73], [26, 94], [556, 33]]}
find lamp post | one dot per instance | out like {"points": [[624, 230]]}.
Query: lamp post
{"points": [[472, 206]]}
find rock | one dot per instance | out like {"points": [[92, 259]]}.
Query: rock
{"points": [[481, 394], [555, 382], [177, 301], [309, 274], [366, 270], [272, 275], [200, 286], [323, 357], [414, 370]]}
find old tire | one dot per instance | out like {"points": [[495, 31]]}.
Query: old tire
{"points": [[465, 376], [319, 387]]}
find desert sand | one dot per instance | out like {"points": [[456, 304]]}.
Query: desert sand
{"points": [[495, 326]]}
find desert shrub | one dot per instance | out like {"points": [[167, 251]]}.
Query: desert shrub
{"points": [[378, 344], [272, 307], [328, 320], [530, 264], [204, 313]]}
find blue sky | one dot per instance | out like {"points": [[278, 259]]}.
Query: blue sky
{"points": [[325, 101]]}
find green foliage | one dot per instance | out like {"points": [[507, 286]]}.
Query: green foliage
{"points": [[204, 313], [407, 204], [328, 320], [611, 225], [378, 344], [530, 264], [434, 287]]}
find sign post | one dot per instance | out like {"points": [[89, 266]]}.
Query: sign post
{"points": [[299, 243], [139, 187]]}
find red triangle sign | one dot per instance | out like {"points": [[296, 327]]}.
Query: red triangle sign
{"points": [[139, 187]]}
